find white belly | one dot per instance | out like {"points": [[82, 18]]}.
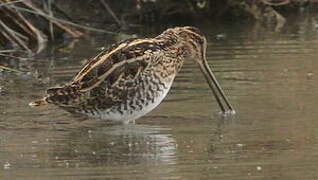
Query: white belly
{"points": [[129, 114]]}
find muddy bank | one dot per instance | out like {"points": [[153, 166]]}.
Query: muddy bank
{"points": [[26, 26], [151, 12]]}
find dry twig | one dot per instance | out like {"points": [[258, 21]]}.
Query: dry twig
{"points": [[111, 12]]}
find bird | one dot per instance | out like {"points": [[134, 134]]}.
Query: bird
{"points": [[131, 78]]}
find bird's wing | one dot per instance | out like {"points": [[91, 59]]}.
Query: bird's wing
{"points": [[124, 60]]}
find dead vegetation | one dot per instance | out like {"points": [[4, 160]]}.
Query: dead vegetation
{"points": [[26, 25], [19, 29]]}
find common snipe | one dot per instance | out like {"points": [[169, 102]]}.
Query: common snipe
{"points": [[131, 78]]}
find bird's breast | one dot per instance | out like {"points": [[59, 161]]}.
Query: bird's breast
{"points": [[142, 96]]}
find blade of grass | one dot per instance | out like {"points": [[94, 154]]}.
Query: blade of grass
{"points": [[10, 69], [51, 14]]}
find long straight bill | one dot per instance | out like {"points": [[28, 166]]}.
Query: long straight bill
{"points": [[216, 88]]}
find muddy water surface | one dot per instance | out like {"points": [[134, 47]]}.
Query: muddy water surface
{"points": [[270, 78]]}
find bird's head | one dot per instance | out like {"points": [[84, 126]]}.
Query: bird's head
{"points": [[196, 44], [192, 38]]}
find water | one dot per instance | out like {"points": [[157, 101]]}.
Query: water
{"points": [[270, 78]]}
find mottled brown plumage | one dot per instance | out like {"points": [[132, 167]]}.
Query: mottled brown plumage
{"points": [[131, 78]]}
